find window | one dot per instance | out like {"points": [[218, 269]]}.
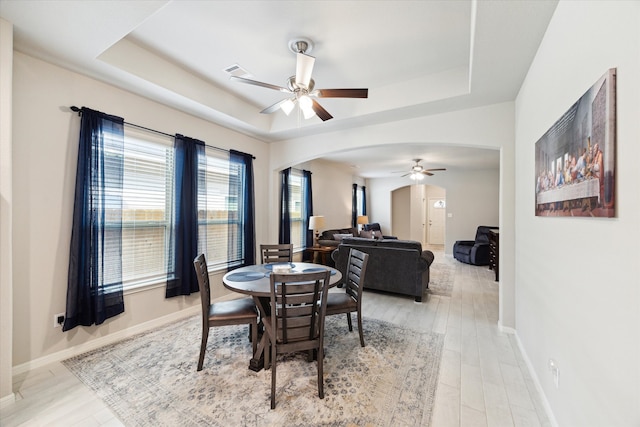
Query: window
{"points": [[297, 210], [221, 214], [147, 203], [360, 201]]}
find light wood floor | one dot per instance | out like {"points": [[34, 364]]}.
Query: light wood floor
{"points": [[483, 379]]}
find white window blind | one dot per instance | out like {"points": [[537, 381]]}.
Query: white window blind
{"points": [[296, 208], [221, 214], [147, 204]]}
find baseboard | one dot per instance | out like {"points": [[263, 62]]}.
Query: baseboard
{"points": [[506, 329], [102, 341], [7, 400], [536, 382]]}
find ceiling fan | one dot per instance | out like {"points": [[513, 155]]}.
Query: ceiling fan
{"points": [[301, 87], [417, 172]]}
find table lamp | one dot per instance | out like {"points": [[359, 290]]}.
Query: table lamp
{"points": [[362, 219], [315, 224]]}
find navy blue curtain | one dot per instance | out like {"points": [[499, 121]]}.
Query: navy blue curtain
{"points": [[188, 153], [354, 205], [285, 216], [308, 207], [94, 286], [241, 189], [364, 200]]}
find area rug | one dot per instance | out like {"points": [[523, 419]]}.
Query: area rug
{"points": [[151, 379], [441, 275]]}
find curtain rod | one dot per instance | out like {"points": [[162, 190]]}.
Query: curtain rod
{"points": [[78, 110]]}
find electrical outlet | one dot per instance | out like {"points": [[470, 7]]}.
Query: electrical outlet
{"points": [[555, 372], [58, 320]]}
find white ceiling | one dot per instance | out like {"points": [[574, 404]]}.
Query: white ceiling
{"points": [[415, 57]]}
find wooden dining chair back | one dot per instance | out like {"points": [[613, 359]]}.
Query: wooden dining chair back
{"points": [[276, 253], [296, 321], [351, 300], [235, 312]]}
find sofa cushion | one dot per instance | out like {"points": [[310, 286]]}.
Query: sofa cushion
{"points": [[328, 234], [371, 234], [359, 241], [404, 244], [339, 237]]}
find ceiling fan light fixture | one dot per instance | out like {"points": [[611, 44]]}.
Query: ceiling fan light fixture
{"points": [[416, 176], [306, 105], [287, 106], [308, 113]]}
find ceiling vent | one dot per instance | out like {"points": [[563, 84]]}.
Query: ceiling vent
{"points": [[236, 71]]}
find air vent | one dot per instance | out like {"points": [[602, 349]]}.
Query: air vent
{"points": [[236, 71]]}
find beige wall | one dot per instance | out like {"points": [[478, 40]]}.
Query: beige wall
{"points": [[45, 138], [578, 286], [472, 200], [401, 212], [6, 214]]}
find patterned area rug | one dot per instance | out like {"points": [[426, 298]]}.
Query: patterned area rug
{"points": [[151, 379], [441, 274]]}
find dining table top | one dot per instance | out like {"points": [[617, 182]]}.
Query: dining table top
{"points": [[254, 279]]}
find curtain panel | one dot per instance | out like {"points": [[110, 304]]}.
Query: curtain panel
{"points": [[364, 200], [354, 205], [189, 184], [308, 208], [285, 216], [94, 286], [241, 188]]}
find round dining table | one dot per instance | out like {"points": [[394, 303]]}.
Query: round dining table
{"points": [[254, 280]]}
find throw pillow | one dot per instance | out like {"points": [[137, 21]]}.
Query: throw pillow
{"points": [[377, 234], [366, 234], [339, 237]]}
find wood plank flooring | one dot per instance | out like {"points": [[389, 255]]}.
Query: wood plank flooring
{"points": [[483, 378]]}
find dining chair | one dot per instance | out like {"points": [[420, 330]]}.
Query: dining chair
{"points": [[351, 300], [296, 321], [276, 253], [235, 312]]}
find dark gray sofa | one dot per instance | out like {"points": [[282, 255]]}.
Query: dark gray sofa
{"points": [[399, 266], [327, 239]]}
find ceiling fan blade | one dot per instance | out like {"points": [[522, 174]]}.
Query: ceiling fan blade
{"points": [[320, 112], [431, 170], [261, 84], [275, 107], [426, 173], [304, 68], [402, 176], [342, 93]]}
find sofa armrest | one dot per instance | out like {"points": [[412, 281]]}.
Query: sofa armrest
{"points": [[480, 253], [428, 256]]}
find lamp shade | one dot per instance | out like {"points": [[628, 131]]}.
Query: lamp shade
{"points": [[316, 222], [363, 219]]}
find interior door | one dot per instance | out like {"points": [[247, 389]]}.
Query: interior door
{"points": [[436, 220]]}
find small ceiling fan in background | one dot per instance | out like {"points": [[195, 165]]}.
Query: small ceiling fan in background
{"points": [[301, 87], [417, 172]]}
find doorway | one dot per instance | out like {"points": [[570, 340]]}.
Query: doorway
{"points": [[419, 213], [436, 210]]}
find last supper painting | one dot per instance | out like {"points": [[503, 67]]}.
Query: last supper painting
{"points": [[575, 158]]}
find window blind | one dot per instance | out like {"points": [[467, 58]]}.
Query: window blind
{"points": [[147, 204]]}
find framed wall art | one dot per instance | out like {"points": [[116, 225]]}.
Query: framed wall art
{"points": [[575, 158]]}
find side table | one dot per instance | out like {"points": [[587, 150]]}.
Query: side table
{"points": [[319, 254]]}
